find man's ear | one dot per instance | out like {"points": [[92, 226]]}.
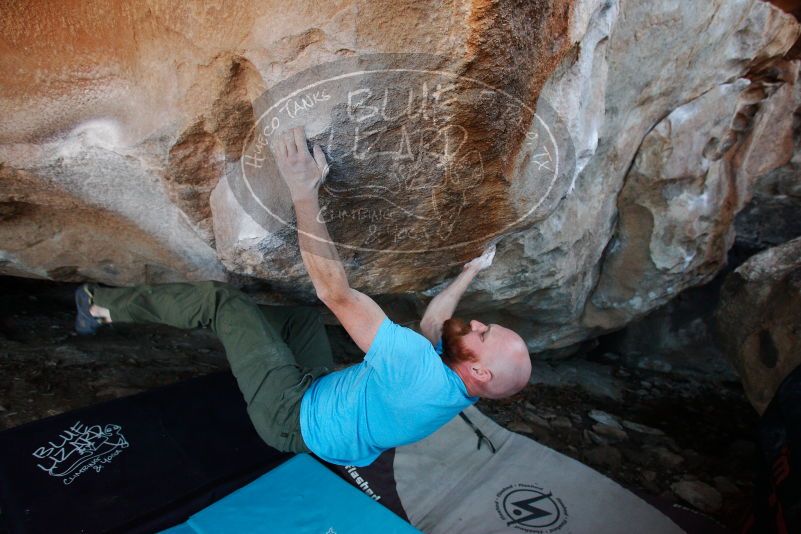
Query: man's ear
{"points": [[479, 372]]}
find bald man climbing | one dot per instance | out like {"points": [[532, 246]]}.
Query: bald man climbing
{"points": [[408, 385]]}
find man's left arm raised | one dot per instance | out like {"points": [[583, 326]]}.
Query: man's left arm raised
{"points": [[443, 305]]}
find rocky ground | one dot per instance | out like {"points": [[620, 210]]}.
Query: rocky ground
{"points": [[684, 436]]}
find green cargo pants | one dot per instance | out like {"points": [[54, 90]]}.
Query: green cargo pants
{"points": [[275, 352]]}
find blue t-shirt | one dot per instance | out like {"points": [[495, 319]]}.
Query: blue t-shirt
{"points": [[399, 394]]}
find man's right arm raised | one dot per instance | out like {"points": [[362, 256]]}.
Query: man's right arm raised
{"points": [[359, 314]]}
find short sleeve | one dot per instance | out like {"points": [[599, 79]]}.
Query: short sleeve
{"points": [[398, 353]]}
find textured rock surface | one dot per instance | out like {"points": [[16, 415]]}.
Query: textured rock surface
{"points": [[774, 214], [702, 496], [683, 331], [642, 224], [124, 124], [760, 319]]}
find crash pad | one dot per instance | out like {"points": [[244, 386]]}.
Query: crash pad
{"points": [[300, 496]]}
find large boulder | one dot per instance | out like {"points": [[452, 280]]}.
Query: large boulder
{"points": [[760, 320], [773, 216], [682, 332], [128, 127], [669, 143]]}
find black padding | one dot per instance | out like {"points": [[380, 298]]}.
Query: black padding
{"points": [[153, 460], [376, 480]]}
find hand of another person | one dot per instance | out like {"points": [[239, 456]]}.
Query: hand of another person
{"points": [[302, 173]]}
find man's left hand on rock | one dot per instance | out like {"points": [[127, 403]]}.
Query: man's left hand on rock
{"points": [[482, 262]]}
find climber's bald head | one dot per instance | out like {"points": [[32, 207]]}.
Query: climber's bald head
{"points": [[492, 360]]}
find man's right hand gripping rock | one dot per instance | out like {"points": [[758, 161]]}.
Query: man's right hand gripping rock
{"points": [[302, 173]]}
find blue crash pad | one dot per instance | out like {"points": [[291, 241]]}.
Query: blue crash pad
{"points": [[298, 496]]}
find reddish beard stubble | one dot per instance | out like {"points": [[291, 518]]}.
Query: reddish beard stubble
{"points": [[453, 350]]}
